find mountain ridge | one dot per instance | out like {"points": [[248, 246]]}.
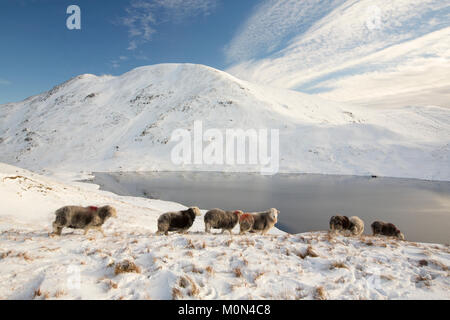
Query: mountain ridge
{"points": [[115, 123]]}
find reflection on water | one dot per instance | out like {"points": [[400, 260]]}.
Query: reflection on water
{"points": [[421, 209]]}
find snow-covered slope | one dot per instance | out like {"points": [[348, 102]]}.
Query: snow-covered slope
{"points": [[312, 265], [106, 123]]}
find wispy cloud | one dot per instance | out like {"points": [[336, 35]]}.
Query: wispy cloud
{"points": [[349, 50], [115, 63], [273, 22], [4, 82], [143, 16]]}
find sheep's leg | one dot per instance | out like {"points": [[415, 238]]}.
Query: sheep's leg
{"points": [[86, 230], [207, 228], [101, 230]]}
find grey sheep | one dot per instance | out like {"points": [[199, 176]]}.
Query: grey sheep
{"points": [[386, 229], [179, 221], [220, 219], [77, 217], [342, 223], [262, 221]]}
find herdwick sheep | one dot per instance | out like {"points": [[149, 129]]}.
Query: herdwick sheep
{"points": [[179, 221], [220, 219], [386, 229], [85, 218]]}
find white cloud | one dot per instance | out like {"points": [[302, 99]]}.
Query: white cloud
{"points": [[4, 82], [271, 22], [143, 16], [342, 50]]}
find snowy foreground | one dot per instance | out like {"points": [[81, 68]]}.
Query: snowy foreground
{"points": [[132, 263]]}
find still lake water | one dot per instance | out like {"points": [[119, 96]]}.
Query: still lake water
{"points": [[421, 209]]}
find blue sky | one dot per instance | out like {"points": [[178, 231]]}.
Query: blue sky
{"points": [[38, 51], [375, 53]]}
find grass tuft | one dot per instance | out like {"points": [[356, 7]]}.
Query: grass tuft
{"points": [[177, 294], [338, 265], [237, 272], [126, 266], [309, 253], [209, 269], [320, 293]]}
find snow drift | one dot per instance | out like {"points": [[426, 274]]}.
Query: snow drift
{"points": [[107, 123]]}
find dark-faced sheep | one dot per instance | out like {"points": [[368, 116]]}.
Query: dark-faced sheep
{"points": [[354, 225], [220, 219], [179, 221], [264, 221], [85, 218], [386, 229]]}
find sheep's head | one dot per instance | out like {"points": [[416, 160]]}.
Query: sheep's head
{"points": [[196, 211], [107, 212], [274, 214], [238, 213], [339, 223]]}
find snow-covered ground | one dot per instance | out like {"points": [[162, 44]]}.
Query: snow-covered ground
{"points": [[105, 123], [192, 266]]}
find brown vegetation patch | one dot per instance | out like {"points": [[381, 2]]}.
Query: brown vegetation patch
{"points": [[39, 293], [126, 266], [177, 294], [258, 275], [186, 282], [190, 244], [320, 293], [423, 263], [439, 264], [237, 272], [425, 281], [209, 269], [338, 265], [387, 277], [59, 293], [25, 256], [308, 253], [5, 254]]}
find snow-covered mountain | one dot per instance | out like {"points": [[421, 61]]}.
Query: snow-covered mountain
{"points": [[107, 123]]}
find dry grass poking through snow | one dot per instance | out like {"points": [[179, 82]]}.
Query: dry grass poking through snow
{"points": [[338, 265], [199, 266], [320, 293], [126, 266], [309, 252], [314, 265]]}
